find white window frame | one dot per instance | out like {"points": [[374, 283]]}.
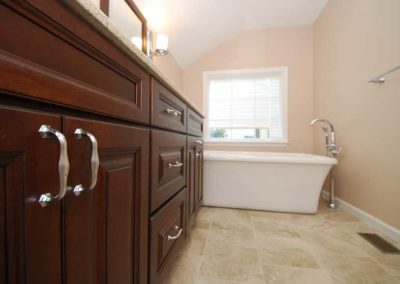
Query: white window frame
{"points": [[209, 75]]}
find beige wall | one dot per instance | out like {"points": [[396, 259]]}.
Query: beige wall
{"points": [[353, 41], [170, 69], [292, 47]]}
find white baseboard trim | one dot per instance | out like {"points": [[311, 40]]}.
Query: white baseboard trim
{"points": [[373, 222]]}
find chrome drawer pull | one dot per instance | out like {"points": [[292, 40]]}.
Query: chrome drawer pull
{"points": [[180, 230], [46, 132], [94, 161], [199, 142], [173, 111], [176, 165]]}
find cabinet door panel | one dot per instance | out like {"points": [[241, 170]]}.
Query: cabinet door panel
{"points": [[199, 176], [191, 178], [119, 173], [195, 177], [79, 220], [31, 234], [116, 209]]}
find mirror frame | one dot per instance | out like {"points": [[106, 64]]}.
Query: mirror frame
{"points": [[105, 7]]}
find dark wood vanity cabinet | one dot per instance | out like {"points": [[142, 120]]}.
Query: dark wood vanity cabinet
{"points": [[194, 177], [107, 226], [168, 160], [194, 165], [98, 236], [167, 110], [31, 238], [167, 233], [68, 57], [199, 176], [195, 123], [100, 163]]}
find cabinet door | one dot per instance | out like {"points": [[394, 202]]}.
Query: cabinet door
{"points": [[106, 228], [195, 176], [30, 235], [191, 165], [199, 174]]}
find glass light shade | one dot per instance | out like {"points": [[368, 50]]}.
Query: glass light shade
{"points": [[162, 44]]}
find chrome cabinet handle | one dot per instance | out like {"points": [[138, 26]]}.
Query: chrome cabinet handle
{"points": [[176, 165], [94, 161], [173, 111], [180, 230], [199, 142], [46, 132]]}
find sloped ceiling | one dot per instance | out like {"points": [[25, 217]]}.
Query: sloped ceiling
{"points": [[196, 26]]}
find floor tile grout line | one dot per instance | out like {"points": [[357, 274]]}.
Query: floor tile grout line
{"points": [[205, 246], [260, 265], [347, 233], [384, 266]]}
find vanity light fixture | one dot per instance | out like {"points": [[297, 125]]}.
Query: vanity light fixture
{"points": [[161, 45]]}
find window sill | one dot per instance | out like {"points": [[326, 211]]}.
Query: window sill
{"points": [[246, 143]]}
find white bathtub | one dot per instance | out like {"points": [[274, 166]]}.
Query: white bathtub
{"points": [[285, 182]]}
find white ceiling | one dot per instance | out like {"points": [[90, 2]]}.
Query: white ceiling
{"points": [[196, 26]]}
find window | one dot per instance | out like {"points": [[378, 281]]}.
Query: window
{"points": [[246, 106]]}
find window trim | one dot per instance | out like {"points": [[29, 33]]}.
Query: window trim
{"points": [[209, 75]]}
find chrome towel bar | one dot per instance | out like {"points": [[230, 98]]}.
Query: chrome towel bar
{"points": [[380, 79]]}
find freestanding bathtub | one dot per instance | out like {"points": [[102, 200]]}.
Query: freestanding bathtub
{"points": [[285, 182]]}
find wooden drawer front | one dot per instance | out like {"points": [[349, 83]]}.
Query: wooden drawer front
{"points": [[53, 65], [195, 123], [168, 166], [167, 111], [167, 232]]}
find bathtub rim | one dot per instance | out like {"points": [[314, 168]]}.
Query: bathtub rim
{"points": [[268, 157]]}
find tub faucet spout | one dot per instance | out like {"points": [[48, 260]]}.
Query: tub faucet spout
{"points": [[331, 147]]}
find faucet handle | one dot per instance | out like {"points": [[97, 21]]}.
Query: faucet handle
{"points": [[336, 151]]}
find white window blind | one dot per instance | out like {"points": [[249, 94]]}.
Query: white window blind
{"points": [[244, 104]]}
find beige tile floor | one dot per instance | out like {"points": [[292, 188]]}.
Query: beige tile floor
{"points": [[243, 246]]}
